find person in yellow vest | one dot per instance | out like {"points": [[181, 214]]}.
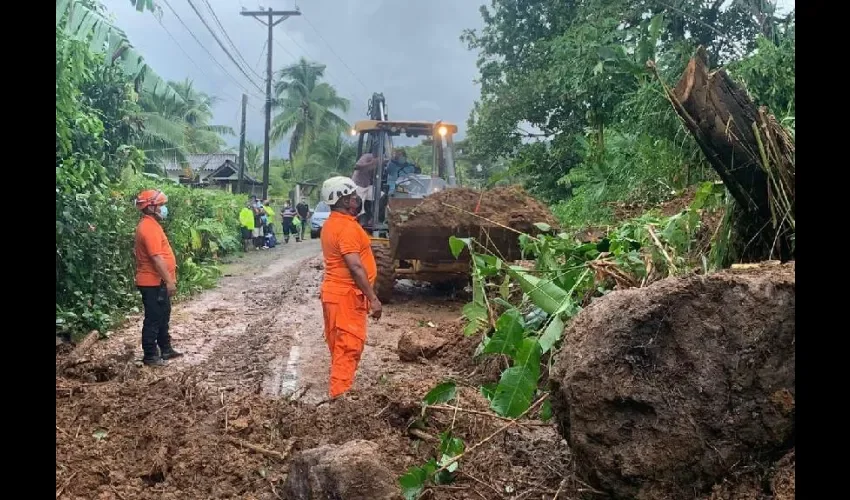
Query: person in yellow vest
{"points": [[267, 205], [246, 221]]}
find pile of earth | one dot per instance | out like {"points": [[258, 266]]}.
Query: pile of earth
{"points": [[174, 437], [494, 217], [461, 207], [684, 387]]}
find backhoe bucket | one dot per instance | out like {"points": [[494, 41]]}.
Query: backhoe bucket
{"points": [[430, 242]]}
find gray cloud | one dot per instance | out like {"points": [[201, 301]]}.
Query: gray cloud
{"points": [[408, 50]]}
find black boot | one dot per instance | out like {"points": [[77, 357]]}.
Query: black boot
{"points": [[170, 353], [157, 361]]}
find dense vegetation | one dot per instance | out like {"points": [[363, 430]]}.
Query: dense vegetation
{"points": [[117, 120], [569, 109], [98, 125], [567, 102]]}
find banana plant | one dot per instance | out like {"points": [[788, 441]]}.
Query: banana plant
{"points": [[81, 20]]}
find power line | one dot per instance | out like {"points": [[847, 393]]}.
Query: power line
{"points": [[226, 36], [365, 87], [192, 33], [173, 39], [225, 96], [262, 51], [220, 44]]}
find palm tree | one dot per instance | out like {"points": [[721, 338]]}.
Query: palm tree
{"points": [[253, 158], [175, 128], [307, 107], [331, 154]]}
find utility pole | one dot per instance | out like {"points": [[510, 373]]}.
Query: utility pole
{"points": [[242, 146], [270, 15]]}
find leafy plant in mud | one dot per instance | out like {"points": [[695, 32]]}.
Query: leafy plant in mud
{"points": [[520, 312], [438, 470]]}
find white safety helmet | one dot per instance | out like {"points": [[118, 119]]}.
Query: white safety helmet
{"points": [[337, 187]]}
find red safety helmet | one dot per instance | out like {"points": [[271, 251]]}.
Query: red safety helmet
{"points": [[150, 197]]}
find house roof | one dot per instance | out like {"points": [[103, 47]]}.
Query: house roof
{"points": [[228, 171], [202, 162]]}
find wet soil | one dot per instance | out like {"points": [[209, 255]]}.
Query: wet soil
{"points": [[254, 377]]}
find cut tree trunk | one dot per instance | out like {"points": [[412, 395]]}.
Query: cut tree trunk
{"points": [[751, 152]]}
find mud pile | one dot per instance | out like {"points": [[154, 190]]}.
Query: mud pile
{"points": [[492, 216], [510, 206], [668, 390], [172, 438]]}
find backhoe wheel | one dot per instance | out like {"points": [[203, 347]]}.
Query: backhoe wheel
{"points": [[385, 281]]}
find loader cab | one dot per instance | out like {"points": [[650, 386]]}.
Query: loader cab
{"points": [[436, 171]]}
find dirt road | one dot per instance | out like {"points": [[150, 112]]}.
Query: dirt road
{"points": [[255, 368], [260, 330]]}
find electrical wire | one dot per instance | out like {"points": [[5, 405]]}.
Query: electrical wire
{"points": [[221, 45], [200, 68], [227, 37], [195, 37]]}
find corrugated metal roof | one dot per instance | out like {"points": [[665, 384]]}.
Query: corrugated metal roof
{"points": [[203, 162]]}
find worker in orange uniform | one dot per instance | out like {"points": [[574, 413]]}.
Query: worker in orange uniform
{"points": [[348, 295], [156, 277]]}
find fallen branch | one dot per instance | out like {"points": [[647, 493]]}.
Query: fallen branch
{"points": [[476, 412], [418, 433], [491, 436], [755, 265], [115, 490], [231, 403], [560, 487], [467, 212], [298, 394], [280, 456], [661, 247]]}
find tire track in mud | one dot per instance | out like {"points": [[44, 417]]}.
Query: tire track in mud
{"points": [[244, 360], [297, 327], [261, 331], [226, 334]]}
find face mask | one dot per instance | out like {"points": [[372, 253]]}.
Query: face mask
{"points": [[163, 212]]}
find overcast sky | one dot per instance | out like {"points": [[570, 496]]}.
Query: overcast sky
{"points": [[409, 50]]}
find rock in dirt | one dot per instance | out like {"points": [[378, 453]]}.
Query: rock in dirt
{"points": [[661, 391], [352, 471], [416, 344]]}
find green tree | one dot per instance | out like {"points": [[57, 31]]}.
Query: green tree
{"points": [[254, 158], [175, 128], [769, 74], [564, 87], [307, 107], [330, 154]]}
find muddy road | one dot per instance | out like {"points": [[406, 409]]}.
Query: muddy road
{"points": [[255, 371], [261, 329]]}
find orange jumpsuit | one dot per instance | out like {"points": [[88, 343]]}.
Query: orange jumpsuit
{"points": [[344, 305]]}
